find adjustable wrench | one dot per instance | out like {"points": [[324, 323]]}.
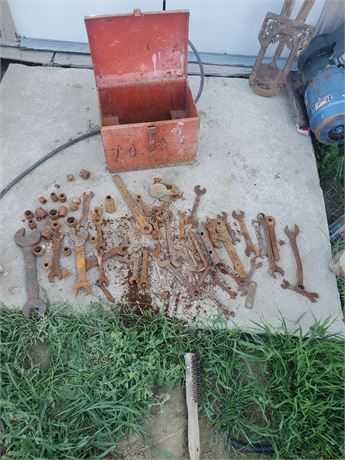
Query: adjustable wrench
{"points": [[85, 209], [27, 242], [192, 219], [79, 240], [299, 287], [250, 247], [144, 225]]}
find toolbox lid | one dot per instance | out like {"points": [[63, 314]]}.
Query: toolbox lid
{"points": [[137, 47]]}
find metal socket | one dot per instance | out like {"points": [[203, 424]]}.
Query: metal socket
{"points": [[47, 233], [55, 225], [53, 214], [73, 207], [71, 221], [62, 197], [40, 214], [70, 177], [67, 251], [38, 250], [62, 211], [32, 224], [42, 199], [54, 197], [28, 214], [85, 174], [109, 204]]}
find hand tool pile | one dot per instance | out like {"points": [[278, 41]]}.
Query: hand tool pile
{"points": [[173, 255]]}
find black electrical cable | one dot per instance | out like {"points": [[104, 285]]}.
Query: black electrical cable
{"points": [[74, 140]]}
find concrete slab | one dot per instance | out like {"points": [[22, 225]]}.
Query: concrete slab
{"points": [[250, 157]]}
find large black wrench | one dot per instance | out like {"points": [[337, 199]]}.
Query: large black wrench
{"points": [[26, 242]]}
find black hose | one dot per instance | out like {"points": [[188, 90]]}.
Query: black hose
{"points": [[201, 68], [61, 147]]}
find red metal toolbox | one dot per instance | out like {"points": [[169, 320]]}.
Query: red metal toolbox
{"points": [[148, 116]]}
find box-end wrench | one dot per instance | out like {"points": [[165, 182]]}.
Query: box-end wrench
{"points": [[144, 225], [27, 242], [299, 287], [79, 238]]}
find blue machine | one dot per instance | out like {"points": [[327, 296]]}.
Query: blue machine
{"points": [[324, 99], [322, 85]]}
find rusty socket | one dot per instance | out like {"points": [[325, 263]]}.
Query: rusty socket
{"points": [[40, 213], [73, 207], [53, 214], [93, 239], [109, 204], [42, 199], [28, 214], [47, 233], [70, 177], [62, 197], [55, 225], [71, 221], [47, 265], [54, 197], [67, 251], [76, 200], [57, 185], [38, 250], [85, 174], [32, 224], [62, 211]]}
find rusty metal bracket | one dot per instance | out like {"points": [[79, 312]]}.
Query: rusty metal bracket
{"points": [[266, 79]]}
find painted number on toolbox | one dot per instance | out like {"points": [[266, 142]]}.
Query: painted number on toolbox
{"points": [[321, 102], [123, 152]]}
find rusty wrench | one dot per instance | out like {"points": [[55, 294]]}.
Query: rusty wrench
{"points": [[273, 267], [172, 251], [250, 247], [271, 223], [144, 225], [85, 209], [192, 219], [299, 287], [79, 240], [26, 242]]}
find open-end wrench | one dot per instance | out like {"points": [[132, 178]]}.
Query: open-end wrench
{"points": [[144, 225], [100, 244], [223, 235], [79, 238], [85, 209], [91, 262], [27, 242], [212, 232], [244, 286], [271, 223], [181, 225], [105, 291], [144, 268], [136, 256], [273, 267], [211, 251], [193, 290], [196, 244], [103, 279], [234, 238], [192, 219], [170, 244], [165, 290], [217, 282], [262, 247], [250, 246], [204, 275], [299, 287]]}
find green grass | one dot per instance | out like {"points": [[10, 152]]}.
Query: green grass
{"points": [[337, 247], [73, 384]]}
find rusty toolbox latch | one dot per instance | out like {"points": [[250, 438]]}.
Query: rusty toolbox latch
{"points": [[151, 134]]}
